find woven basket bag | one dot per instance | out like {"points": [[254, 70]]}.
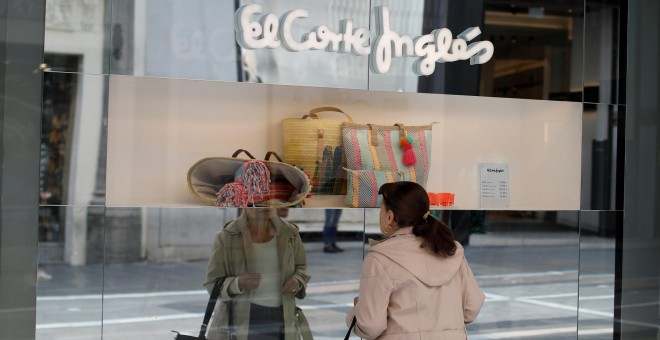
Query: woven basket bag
{"points": [[315, 145], [208, 175]]}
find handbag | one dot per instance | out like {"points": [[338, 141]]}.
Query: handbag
{"points": [[215, 293], [348, 334], [315, 144], [392, 148], [302, 326], [287, 185], [363, 186]]}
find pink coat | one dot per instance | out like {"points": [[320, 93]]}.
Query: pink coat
{"points": [[409, 293]]}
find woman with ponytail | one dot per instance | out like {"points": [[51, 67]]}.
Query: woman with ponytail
{"points": [[416, 283]]}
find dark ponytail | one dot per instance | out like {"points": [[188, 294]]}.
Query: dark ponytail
{"points": [[437, 237], [410, 204]]}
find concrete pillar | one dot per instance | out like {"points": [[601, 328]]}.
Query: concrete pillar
{"points": [[21, 53]]}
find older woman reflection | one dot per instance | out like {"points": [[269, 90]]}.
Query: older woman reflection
{"points": [[265, 265]]}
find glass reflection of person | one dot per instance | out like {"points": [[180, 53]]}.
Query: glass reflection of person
{"points": [[330, 231], [416, 283], [265, 263]]}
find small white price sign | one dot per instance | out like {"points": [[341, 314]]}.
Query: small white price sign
{"points": [[494, 185]]}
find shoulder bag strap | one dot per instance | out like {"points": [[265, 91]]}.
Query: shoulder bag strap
{"points": [[215, 293], [274, 154], [348, 334], [238, 152], [230, 319]]}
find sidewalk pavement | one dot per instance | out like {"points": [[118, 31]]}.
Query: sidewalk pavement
{"points": [[146, 276]]}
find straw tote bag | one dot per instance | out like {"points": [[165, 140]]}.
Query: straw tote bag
{"points": [[289, 186], [315, 144]]}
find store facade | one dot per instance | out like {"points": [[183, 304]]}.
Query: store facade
{"points": [[539, 117]]}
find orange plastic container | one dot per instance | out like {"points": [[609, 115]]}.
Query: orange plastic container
{"points": [[441, 199]]}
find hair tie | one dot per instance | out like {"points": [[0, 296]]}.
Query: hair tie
{"points": [[426, 215]]}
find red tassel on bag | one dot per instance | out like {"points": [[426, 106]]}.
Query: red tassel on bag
{"points": [[409, 157]]}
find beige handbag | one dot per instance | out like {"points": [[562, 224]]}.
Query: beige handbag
{"points": [[315, 144], [289, 185]]}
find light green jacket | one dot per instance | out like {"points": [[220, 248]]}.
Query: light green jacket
{"points": [[233, 256]]}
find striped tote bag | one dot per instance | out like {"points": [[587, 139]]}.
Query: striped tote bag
{"points": [[377, 147], [363, 185]]}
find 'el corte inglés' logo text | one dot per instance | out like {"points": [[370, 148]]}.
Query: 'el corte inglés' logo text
{"points": [[269, 31]]}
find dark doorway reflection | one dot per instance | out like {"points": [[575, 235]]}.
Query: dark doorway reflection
{"points": [[59, 107], [538, 49]]}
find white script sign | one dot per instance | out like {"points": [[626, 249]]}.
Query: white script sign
{"points": [[269, 31]]}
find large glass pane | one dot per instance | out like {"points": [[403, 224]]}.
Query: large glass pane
{"points": [[197, 40], [156, 262], [537, 48], [526, 262], [597, 272], [178, 39], [312, 67], [335, 271], [70, 273], [76, 35]]}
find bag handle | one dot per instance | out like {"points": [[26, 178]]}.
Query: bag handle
{"points": [[313, 112], [267, 158], [374, 134], [320, 145], [238, 152], [402, 129], [273, 153], [215, 293], [348, 334]]}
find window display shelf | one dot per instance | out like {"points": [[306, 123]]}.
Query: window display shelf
{"points": [[158, 128]]}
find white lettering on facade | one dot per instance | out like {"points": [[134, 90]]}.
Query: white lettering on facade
{"points": [[436, 47]]}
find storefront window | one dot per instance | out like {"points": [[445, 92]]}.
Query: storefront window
{"points": [[155, 87]]}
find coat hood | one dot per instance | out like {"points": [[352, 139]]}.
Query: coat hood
{"points": [[404, 249]]}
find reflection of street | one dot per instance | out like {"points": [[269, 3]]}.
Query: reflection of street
{"points": [[532, 292]]}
